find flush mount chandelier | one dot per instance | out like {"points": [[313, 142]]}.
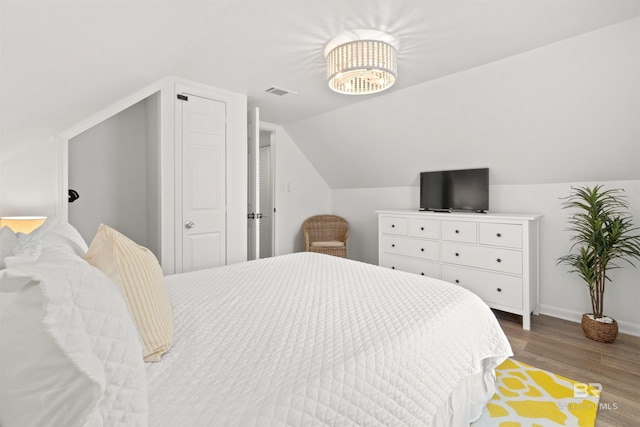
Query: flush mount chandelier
{"points": [[361, 62]]}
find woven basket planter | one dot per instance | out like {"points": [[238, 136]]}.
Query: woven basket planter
{"points": [[599, 331]]}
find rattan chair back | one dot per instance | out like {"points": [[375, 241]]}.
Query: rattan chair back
{"points": [[326, 228]]}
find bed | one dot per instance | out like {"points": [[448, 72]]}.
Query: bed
{"points": [[308, 339]]}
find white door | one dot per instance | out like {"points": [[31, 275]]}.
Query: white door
{"points": [[202, 130], [253, 204]]}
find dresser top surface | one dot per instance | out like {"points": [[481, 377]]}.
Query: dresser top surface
{"points": [[461, 215]]}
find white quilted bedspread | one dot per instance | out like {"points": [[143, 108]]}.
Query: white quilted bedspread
{"points": [[308, 339]]}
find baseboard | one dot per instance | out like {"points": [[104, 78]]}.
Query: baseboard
{"points": [[575, 316]]}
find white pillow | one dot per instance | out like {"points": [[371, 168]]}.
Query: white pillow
{"points": [[55, 236], [70, 351], [8, 242], [26, 251], [58, 233]]}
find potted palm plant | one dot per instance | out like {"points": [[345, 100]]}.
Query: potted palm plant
{"points": [[603, 234]]}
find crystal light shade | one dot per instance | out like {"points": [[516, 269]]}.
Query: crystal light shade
{"points": [[362, 67]]}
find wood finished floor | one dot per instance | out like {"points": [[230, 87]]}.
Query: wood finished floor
{"points": [[559, 346]]}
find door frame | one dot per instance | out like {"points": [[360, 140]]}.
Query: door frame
{"points": [[236, 169], [272, 130], [253, 183], [179, 150]]}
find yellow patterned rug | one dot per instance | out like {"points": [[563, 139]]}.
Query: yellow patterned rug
{"points": [[531, 397]]}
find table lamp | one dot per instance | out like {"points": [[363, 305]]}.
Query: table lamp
{"points": [[22, 224]]}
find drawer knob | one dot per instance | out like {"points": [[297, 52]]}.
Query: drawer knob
{"points": [[393, 245], [393, 268], [457, 254], [499, 289], [393, 226], [457, 281], [422, 249], [421, 228], [499, 235], [499, 260], [457, 231], [422, 274]]}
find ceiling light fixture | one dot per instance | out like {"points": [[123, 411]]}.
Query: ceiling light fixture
{"points": [[361, 62]]}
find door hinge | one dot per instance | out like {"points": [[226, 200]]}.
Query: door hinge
{"points": [[182, 97]]}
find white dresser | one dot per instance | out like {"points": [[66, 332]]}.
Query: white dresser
{"points": [[492, 255]]}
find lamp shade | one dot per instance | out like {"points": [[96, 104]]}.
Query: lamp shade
{"points": [[22, 224]]}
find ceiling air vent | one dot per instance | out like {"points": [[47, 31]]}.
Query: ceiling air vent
{"points": [[279, 91]]}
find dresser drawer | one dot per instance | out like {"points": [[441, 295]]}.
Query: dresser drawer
{"points": [[424, 228], [425, 249], [411, 265], [504, 260], [459, 231], [394, 225], [496, 234], [493, 288]]}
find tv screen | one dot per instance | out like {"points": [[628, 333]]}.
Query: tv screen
{"points": [[455, 190]]}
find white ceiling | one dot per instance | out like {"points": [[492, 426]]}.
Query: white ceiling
{"points": [[62, 61]]}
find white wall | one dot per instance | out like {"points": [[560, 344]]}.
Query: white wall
{"points": [[29, 177], [561, 294], [153, 115], [300, 191], [108, 169]]}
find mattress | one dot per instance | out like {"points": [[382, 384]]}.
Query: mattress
{"points": [[310, 339]]}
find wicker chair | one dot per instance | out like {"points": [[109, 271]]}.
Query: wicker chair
{"points": [[326, 234]]}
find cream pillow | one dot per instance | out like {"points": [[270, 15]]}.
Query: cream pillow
{"points": [[137, 273]]}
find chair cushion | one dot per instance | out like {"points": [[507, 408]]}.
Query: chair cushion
{"points": [[329, 244]]}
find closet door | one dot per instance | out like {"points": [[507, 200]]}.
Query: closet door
{"points": [[201, 128]]}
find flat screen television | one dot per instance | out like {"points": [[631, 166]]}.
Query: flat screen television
{"points": [[455, 190]]}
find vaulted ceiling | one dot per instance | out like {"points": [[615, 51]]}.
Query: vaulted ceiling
{"points": [[61, 61]]}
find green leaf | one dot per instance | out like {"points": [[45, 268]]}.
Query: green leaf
{"points": [[602, 233]]}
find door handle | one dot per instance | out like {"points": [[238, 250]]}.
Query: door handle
{"points": [[259, 216], [189, 225], [251, 215]]}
